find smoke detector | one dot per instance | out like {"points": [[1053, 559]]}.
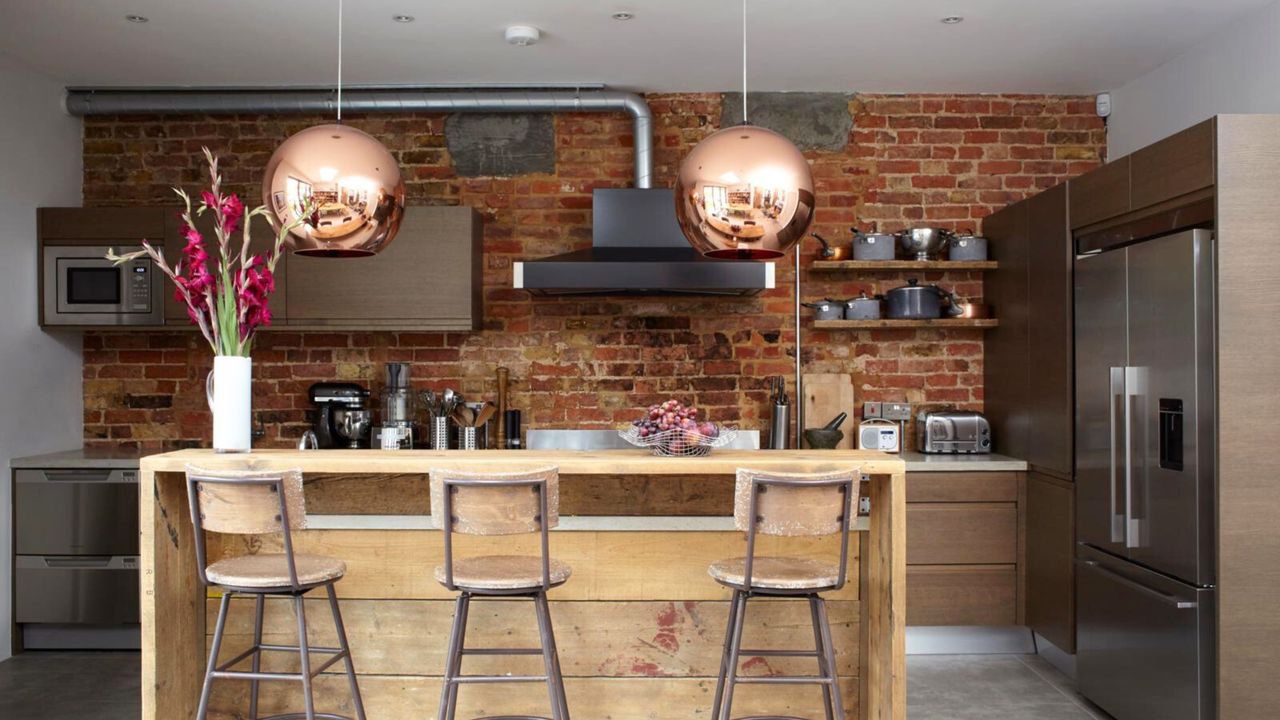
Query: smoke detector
{"points": [[523, 35]]}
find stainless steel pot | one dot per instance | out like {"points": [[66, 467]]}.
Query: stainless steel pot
{"points": [[925, 243], [873, 245], [917, 302], [863, 307], [826, 309], [967, 247]]}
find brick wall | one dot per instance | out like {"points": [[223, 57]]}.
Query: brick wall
{"points": [[911, 159]]}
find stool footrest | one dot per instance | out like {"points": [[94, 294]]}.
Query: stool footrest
{"points": [[303, 716], [501, 651], [779, 653], [222, 672], [498, 678], [784, 680]]}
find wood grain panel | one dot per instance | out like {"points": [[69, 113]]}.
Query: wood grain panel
{"points": [[962, 595], [1179, 164], [1248, 376], [962, 534], [1100, 194], [1051, 593], [400, 698], [1050, 400], [825, 396], [596, 639], [397, 564], [428, 276], [1005, 348], [101, 225], [950, 487]]}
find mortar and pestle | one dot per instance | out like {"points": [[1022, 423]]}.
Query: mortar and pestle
{"points": [[828, 436]]}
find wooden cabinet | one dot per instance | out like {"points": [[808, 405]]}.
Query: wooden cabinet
{"points": [[262, 239], [100, 226], [1050, 556], [429, 277], [1100, 194], [1005, 351], [964, 548], [1178, 165], [1050, 399]]}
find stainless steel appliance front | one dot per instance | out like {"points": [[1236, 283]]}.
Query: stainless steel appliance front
{"points": [[1145, 476], [79, 511], [82, 287]]}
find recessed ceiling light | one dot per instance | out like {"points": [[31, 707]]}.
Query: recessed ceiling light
{"points": [[623, 15], [137, 19], [522, 35], [953, 20], [403, 18]]}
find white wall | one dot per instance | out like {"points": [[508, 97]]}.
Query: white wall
{"points": [[1235, 70], [40, 374]]}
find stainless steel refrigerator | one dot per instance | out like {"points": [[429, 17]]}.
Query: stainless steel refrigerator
{"points": [[1145, 477]]}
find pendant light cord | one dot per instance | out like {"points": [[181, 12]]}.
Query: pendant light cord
{"points": [[340, 61], [744, 62]]}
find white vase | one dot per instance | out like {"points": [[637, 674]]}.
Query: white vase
{"points": [[229, 387]]}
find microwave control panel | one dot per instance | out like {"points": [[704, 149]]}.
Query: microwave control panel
{"points": [[138, 286]]}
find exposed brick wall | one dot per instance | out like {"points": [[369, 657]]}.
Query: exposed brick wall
{"points": [[911, 159]]}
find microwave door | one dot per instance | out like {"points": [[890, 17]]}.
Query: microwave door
{"points": [[89, 286]]}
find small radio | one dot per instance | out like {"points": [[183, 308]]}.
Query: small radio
{"points": [[877, 434]]}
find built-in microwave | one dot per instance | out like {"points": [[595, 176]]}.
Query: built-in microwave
{"points": [[82, 287]]}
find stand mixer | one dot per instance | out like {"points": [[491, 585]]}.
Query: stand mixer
{"points": [[342, 419]]}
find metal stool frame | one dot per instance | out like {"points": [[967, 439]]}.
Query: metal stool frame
{"points": [[276, 484], [457, 634], [823, 652]]}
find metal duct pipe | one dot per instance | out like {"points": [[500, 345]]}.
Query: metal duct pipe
{"points": [[107, 101]]}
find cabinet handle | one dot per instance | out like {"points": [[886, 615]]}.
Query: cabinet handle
{"points": [[1165, 598]]}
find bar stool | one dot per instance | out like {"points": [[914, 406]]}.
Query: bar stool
{"points": [[499, 504], [256, 503], [788, 505]]}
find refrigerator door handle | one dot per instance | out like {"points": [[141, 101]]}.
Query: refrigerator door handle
{"points": [[1134, 390], [1118, 406], [1169, 600]]}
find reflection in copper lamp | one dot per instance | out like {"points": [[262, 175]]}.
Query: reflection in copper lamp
{"points": [[351, 183], [744, 193]]}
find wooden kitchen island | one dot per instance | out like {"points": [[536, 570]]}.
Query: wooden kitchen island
{"points": [[640, 624]]}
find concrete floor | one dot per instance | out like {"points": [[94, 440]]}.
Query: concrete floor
{"points": [[105, 686]]}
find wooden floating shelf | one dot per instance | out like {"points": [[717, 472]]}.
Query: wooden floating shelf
{"points": [[898, 265], [983, 323]]}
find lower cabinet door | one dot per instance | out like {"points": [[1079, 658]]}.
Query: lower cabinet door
{"points": [[962, 595], [1051, 607]]}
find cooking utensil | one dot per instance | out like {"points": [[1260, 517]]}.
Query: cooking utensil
{"points": [[863, 307], [836, 422], [822, 438], [461, 416], [504, 377], [967, 247], [826, 309], [829, 252], [780, 415], [925, 243], [916, 302], [482, 416], [873, 245], [972, 310]]}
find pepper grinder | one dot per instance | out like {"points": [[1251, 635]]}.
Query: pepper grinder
{"points": [[504, 377]]}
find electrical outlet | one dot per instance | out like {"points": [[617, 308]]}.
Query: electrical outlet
{"points": [[870, 410], [896, 411]]}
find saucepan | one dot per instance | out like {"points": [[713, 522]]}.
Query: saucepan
{"points": [[826, 309]]}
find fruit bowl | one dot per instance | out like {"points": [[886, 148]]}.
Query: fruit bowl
{"points": [[678, 442]]}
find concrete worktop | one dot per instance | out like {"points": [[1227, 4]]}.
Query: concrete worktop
{"points": [[110, 458], [920, 462]]}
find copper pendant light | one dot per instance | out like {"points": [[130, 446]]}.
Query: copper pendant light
{"points": [[349, 180], [744, 192]]}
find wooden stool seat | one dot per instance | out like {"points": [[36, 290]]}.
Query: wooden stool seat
{"points": [[503, 572], [271, 570], [779, 573]]}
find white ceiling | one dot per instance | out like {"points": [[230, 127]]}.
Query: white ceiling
{"points": [[1059, 46]]}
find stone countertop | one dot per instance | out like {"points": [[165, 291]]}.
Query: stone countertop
{"points": [[920, 462], [111, 458]]}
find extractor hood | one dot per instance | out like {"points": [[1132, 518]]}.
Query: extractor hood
{"points": [[637, 249]]}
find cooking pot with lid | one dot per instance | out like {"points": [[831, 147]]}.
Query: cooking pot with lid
{"points": [[873, 245], [914, 301]]}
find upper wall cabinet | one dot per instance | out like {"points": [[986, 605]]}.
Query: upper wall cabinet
{"points": [[428, 278], [1100, 194]]}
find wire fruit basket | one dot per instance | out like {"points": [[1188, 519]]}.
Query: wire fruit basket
{"points": [[679, 443]]}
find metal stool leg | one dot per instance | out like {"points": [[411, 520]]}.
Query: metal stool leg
{"points": [[346, 648], [551, 659], [830, 654], [819, 646], [724, 656], [203, 709], [735, 649], [453, 660], [304, 651], [258, 610]]}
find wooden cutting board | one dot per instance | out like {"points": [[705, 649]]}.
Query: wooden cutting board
{"points": [[825, 396]]}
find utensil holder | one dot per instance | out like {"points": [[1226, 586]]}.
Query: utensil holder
{"points": [[439, 432], [467, 438]]}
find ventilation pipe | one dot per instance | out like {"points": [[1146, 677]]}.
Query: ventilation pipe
{"points": [[107, 101]]}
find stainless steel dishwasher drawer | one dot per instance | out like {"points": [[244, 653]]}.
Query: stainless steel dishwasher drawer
{"points": [[76, 512], [64, 590]]}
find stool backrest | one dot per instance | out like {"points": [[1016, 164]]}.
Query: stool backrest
{"points": [[795, 504], [246, 502], [509, 503]]}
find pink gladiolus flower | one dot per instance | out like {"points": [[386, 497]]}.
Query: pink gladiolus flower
{"points": [[232, 211], [209, 199]]}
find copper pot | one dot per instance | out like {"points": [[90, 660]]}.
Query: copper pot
{"points": [[973, 311], [831, 252]]}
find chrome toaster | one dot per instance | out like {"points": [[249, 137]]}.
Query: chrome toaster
{"points": [[952, 431]]}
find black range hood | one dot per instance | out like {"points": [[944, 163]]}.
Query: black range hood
{"points": [[637, 249]]}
